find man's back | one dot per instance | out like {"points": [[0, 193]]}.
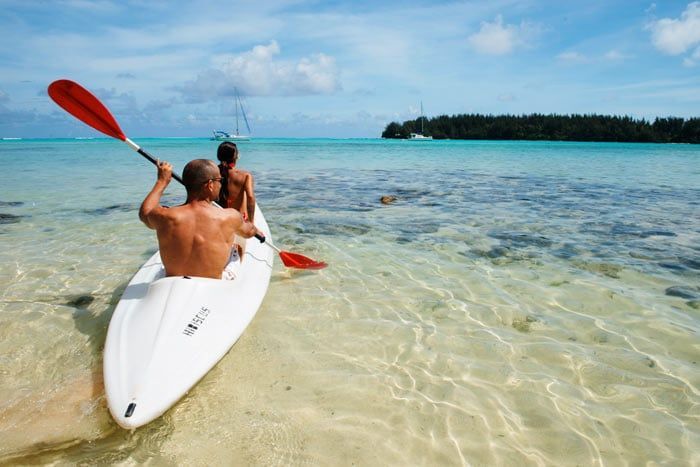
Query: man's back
{"points": [[196, 239]]}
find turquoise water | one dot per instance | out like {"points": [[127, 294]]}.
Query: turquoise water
{"points": [[529, 302]]}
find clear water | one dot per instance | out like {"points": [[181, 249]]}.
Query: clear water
{"points": [[520, 302]]}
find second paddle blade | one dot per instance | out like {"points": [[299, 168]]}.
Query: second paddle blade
{"points": [[294, 260]]}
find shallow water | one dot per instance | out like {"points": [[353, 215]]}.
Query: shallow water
{"points": [[520, 302]]}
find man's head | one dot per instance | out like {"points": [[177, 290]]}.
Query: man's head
{"points": [[227, 152], [202, 179]]}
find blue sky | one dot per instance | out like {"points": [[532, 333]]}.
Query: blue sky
{"points": [[343, 69]]}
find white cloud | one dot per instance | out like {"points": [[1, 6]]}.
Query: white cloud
{"points": [[507, 97], [258, 73], [499, 39], [615, 55], [677, 36], [572, 57]]}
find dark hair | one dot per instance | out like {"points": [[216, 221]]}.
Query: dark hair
{"points": [[197, 172], [227, 152]]}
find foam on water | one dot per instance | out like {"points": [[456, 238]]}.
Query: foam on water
{"points": [[519, 303]]}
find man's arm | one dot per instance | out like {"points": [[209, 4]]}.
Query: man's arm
{"points": [[250, 196], [150, 208], [245, 229]]}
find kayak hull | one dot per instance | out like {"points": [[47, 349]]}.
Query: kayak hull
{"points": [[166, 333]]}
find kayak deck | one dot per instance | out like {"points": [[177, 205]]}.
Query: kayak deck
{"points": [[168, 332]]}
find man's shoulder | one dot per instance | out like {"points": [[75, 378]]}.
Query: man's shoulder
{"points": [[173, 212], [231, 215]]}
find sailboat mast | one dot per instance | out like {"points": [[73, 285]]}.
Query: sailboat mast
{"points": [[236, 106], [422, 118]]}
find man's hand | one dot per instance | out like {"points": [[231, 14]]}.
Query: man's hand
{"points": [[165, 171], [150, 208]]}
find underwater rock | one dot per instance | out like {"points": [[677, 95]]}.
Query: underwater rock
{"points": [[11, 203], [607, 269], [496, 252], [81, 301], [682, 292], [600, 337], [388, 199], [523, 325]]}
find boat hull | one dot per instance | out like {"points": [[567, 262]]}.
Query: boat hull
{"points": [[166, 333], [231, 138]]}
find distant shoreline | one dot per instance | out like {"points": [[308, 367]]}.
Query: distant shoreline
{"points": [[539, 127], [268, 140]]}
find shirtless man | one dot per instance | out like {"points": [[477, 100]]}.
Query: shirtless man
{"points": [[195, 239], [238, 192]]}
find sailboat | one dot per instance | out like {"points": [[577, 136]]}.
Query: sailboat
{"points": [[420, 136], [221, 135]]}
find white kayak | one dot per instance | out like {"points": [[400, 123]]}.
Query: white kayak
{"points": [[166, 333]]}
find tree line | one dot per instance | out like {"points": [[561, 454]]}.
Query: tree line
{"points": [[551, 127]]}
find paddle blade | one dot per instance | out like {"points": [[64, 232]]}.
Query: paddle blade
{"points": [[83, 105], [295, 260]]}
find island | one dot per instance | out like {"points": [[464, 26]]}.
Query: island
{"points": [[552, 127]]}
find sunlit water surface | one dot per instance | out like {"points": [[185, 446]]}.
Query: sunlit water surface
{"points": [[519, 303]]}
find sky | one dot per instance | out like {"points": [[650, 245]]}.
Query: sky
{"points": [[342, 68]]}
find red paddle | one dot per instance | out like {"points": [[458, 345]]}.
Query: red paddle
{"points": [[83, 105]]}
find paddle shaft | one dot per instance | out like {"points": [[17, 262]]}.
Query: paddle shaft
{"points": [[153, 160]]}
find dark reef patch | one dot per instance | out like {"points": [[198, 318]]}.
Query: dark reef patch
{"points": [[690, 263], [634, 231], [675, 267], [520, 239], [9, 218], [416, 228], [331, 228], [110, 209], [680, 291], [567, 251]]}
